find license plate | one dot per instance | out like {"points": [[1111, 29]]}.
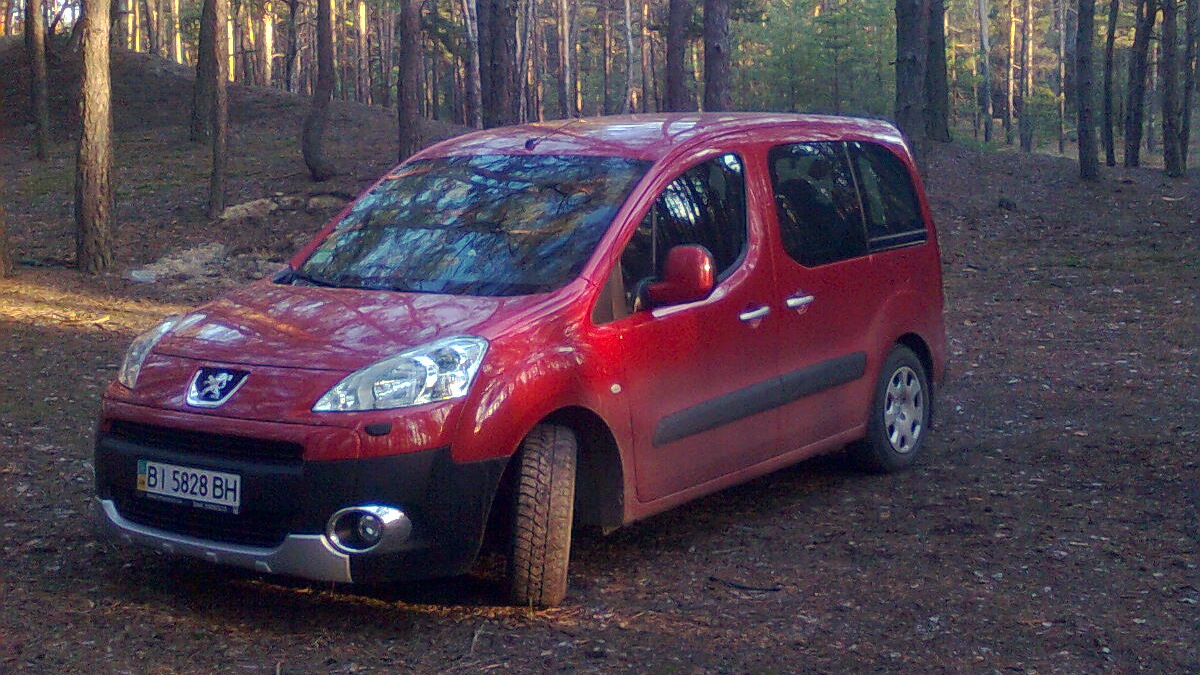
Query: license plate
{"points": [[212, 490]]}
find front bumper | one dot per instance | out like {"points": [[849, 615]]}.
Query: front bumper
{"points": [[302, 555], [287, 503]]}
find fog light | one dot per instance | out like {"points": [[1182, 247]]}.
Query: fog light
{"points": [[360, 529], [370, 528]]}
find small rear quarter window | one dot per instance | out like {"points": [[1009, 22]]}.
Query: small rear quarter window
{"points": [[892, 211]]}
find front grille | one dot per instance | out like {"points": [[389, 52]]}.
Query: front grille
{"points": [[218, 445], [262, 529]]}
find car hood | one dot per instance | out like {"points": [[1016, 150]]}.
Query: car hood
{"points": [[335, 329]]}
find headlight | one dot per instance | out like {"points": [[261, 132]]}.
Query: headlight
{"points": [[438, 371], [140, 349]]}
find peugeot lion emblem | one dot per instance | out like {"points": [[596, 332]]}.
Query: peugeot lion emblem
{"points": [[211, 387]]}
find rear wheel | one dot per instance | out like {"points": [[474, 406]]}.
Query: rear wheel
{"points": [[900, 414], [543, 508]]}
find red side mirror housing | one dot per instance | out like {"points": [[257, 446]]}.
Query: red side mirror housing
{"points": [[688, 275]]}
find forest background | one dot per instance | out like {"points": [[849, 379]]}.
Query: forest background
{"points": [[996, 71]]}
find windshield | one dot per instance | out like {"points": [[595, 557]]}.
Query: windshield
{"points": [[480, 225]]}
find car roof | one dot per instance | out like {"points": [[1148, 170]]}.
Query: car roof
{"points": [[651, 136]]}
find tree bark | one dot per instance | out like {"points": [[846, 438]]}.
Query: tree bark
{"points": [[676, 98], [1010, 79], [717, 94], [35, 48], [500, 80], [151, 20], [94, 208], [630, 103], [937, 86], [912, 22], [1139, 67], [565, 99], [1061, 93], [985, 71], [1110, 40], [293, 46], [268, 42], [474, 109], [177, 54], [1190, 75], [1168, 73], [408, 84], [1026, 122], [219, 111], [6, 258], [312, 138], [1089, 161], [202, 87]]}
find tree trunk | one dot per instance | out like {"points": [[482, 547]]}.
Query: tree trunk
{"points": [[1135, 107], [35, 48], [1110, 39], [678, 13], [267, 57], [6, 258], [219, 111], [985, 71], [501, 76], [202, 87], [630, 90], [646, 54], [408, 84], [474, 109], [1168, 73], [153, 36], [937, 87], [94, 208], [606, 58], [1061, 94], [912, 22], [1089, 161], [1190, 74], [177, 54], [1027, 109], [290, 71], [565, 99], [312, 138], [717, 89], [1010, 79]]}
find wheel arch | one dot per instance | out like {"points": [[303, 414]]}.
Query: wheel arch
{"points": [[600, 478], [924, 353]]}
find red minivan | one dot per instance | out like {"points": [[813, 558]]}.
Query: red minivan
{"points": [[525, 329]]}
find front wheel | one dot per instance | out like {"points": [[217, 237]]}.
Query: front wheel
{"points": [[543, 508], [899, 417]]}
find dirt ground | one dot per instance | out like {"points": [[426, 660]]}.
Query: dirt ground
{"points": [[1052, 527]]}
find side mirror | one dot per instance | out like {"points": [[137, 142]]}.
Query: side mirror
{"points": [[687, 276]]}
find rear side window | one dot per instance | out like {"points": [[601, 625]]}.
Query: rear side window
{"points": [[705, 205], [892, 211], [820, 218]]}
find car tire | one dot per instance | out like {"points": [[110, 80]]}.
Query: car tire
{"points": [[899, 416], [543, 510]]}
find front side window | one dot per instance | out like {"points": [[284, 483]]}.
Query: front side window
{"points": [[892, 210], [820, 218], [477, 225], [705, 205]]}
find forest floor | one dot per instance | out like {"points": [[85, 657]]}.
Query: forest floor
{"points": [[1052, 527]]}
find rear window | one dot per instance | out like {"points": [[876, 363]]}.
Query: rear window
{"points": [[479, 225]]}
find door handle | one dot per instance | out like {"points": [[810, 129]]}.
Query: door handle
{"points": [[752, 314], [798, 301]]}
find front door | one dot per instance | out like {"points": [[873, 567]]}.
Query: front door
{"points": [[699, 377]]}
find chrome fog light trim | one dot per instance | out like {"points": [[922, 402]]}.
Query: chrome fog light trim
{"points": [[368, 528]]}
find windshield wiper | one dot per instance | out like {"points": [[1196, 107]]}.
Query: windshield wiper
{"points": [[307, 280]]}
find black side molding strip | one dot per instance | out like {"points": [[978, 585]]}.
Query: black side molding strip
{"points": [[759, 397]]}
